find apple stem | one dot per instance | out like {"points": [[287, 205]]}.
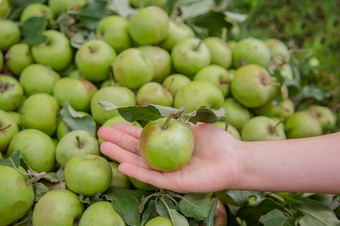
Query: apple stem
{"points": [[170, 84], [224, 34], [272, 129], [226, 126], [6, 127], [198, 45], [91, 49], [78, 141], [165, 125]]}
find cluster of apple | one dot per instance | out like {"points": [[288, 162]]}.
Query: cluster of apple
{"points": [[148, 59]]}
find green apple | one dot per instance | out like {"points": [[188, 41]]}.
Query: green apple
{"points": [[8, 128], [5, 8], [166, 145], [1, 60], [40, 112], [88, 174], [263, 128], [220, 52], [94, 59], [75, 74], [62, 129], [9, 35], [206, 94], [109, 82], [114, 30], [59, 6], [154, 93], [251, 51], [160, 60], [77, 92], [301, 124], [177, 32], [55, 52], [78, 142], [11, 93], [16, 196], [189, 56], [216, 75], [159, 221], [229, 128], [120, 96], [36, 148], [278, 50], [253, 86], [115, 120], [119, 180], [37, 78], [101, 213], [273, 108], [36, 10], [18, 57], [324, 115], [142, 3], [133, 77], [236, 114], [57, 207], [145, 29], [141, 185], [16, 117], [175, 82]]}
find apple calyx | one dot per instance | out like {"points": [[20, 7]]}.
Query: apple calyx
{"points": [[273, 128], [92, 50], [5, 127], [266, 80], [4, 86], [80, 145]]}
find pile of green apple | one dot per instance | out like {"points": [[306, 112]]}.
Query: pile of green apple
{"points": [[146, 59]]}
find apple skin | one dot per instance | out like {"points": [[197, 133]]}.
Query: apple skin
{"points": [[16, 117], [236, 114], [216, 75], [166, 149], [189, 56], [88, 174], [175, 82], [57, 207], [272, 109], [9, 35], [301, 124], [8, 128], [58, 6], [5, 8], [77, 92], [16, 197], [252, 86], [94, 59], [11, 93], [36, 148], [37, 78], [251, 51], [229, 128], [278, 50], [206, 94], [62, 129], [141, 185], [55, 52], [133, 77], [119, 180], [324, 115], [120, 96], [262, 128], [18, 57], [159, 221], [40, 112], [145, 29], [1, 60], [220, 52], [101, 213], [177, 31], [160, 59], [114, 31], [68, 147], [36, 10], [154, 93]]}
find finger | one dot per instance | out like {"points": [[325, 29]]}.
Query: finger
{"points": [[121, 155], [129, 129], [120, 138]]}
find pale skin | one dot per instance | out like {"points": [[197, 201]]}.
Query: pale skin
{"points": [[221, 162]]}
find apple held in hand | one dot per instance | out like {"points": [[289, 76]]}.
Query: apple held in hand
{"points": [[166, 144]]}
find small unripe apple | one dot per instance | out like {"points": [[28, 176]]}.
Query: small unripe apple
{"points": [[145, 29], [62, 129], [166, 145], [159, 221], [141, 185], [229, 128], [236, 114], [9, 35], [154, 93], [18, 57], [36, 10], [278, 50], [119, 180], [59, 6], [143, 3], [8, 128], [5, 8], [175, 82], [281, 109], [301, 124], [11, 93], [220, 52], [324, 115]]}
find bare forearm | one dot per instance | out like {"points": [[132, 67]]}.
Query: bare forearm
{"points": [[299, 165]]}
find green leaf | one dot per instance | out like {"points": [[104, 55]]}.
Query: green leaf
{"points": [[163, 210], [314, 92], [315, 213], [193, 8], [121, 7], [204, 114], [92, 13], [78, 120], [195, 205], [39, 190], [126, 203], [33, 30], [19, 5], [178, 219], [273, 218], [12, 161], [60, 174], [80, 37], [51, 177], [170, 6], [149, 213], [209, 220]]}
